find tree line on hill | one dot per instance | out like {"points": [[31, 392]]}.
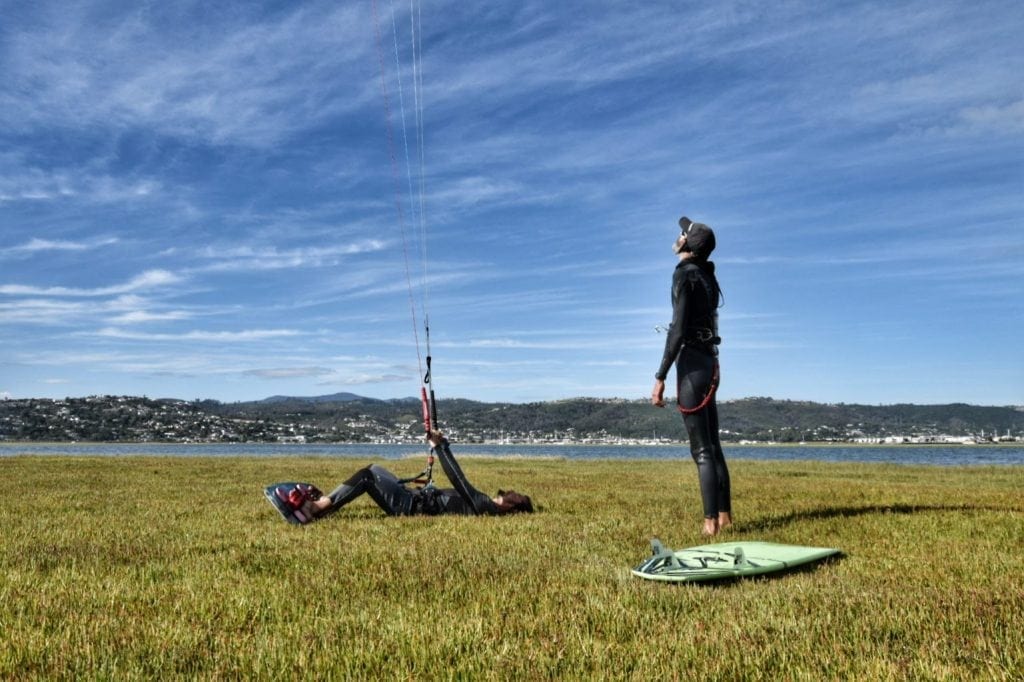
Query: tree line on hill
{"points": [[756, 419], [349, 418]]}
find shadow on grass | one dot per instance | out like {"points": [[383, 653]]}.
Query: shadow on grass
{"points": [[772, 522]]}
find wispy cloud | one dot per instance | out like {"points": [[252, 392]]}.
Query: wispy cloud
{"points": [[557, 343], [250, 258], [123, 309], [250, 80], [196, 335], [150, 279], [366, 379], [142, 316], [288, 372], [22, 181], [37, 245], [138, 360]]}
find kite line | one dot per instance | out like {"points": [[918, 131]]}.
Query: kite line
{"points": [[415, 193]]}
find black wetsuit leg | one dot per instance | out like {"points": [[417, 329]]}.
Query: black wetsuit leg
{"points": [[722, 470], [694, 372], [380, 484]]}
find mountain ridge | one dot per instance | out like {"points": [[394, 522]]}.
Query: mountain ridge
{"points": [[354, 397], [349, 418]]}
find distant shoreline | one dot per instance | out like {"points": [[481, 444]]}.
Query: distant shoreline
{"points": [[725, 444], [1011, 454]]}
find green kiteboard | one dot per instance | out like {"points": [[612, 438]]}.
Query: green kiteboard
{"points": [[725, 560]]}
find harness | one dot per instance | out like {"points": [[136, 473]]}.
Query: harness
{"points": [[708, 338], [427, 501], [703, 336]]}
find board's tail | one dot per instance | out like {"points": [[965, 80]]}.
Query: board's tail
{"points": [[660, 559]]}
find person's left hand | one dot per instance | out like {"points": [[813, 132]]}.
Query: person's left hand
{"points": [[658, 393], [435, 438]]}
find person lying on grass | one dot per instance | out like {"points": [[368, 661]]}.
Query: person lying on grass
{"points": [[395, 498]]}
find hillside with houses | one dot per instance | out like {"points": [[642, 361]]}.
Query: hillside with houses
{"points": [[347, 418]]}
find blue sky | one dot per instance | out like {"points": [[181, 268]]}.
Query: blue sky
{"points": [[197, 200]]}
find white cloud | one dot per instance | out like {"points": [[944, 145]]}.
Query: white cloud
{"points": [[150, 279], [41, 311], [22, 181], [124, 309], [288, 372], [140, 316], [248, 258], [208, 363], [569, 342], [230, 81], [365, 379], [472, 191], [198, 335], [999, 119], [37, 245]]}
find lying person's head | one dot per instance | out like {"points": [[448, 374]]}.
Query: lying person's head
{"points": [[510, 502]]}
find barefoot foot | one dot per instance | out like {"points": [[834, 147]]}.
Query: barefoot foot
{"points": [[724, 520]]}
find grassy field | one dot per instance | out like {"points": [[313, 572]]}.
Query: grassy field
{"points": [[177, 567]]}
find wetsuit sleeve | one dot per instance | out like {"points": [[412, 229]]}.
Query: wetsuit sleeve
{"points": [[677, 330], [480, 503]]}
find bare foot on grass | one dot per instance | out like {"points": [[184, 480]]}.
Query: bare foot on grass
{"points": [[724, 520]]}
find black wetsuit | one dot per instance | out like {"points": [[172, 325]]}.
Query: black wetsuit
{"points": [[397, 500], [691, 344]]}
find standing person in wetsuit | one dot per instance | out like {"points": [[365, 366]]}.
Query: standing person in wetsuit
{"points": [[396, 499], [692, 345]]}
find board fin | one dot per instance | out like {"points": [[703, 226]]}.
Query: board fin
{"points": [[660, 559]]}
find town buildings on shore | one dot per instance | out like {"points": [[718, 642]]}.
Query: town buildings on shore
{"points": [[135, 419]]}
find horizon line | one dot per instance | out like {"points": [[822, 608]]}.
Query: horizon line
{"points": [[669, 400]]}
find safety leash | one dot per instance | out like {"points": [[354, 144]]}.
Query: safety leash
{"points": [[707, 399]]}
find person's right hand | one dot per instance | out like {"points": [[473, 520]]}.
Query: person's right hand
{"points": [[658, 393]]}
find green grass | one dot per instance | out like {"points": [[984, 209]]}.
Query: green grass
{"points": [[177, 567]]}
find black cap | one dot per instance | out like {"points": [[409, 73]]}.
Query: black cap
{"points": [[700, 239]]}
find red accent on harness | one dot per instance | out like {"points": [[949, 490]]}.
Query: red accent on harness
{"points": [[707, 399]]}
